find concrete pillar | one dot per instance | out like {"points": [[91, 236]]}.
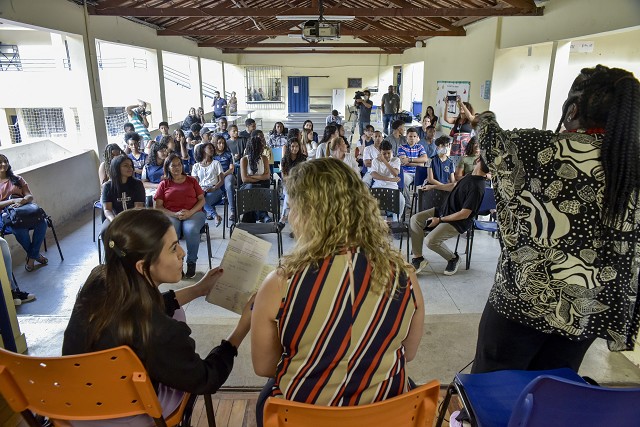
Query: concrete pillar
{"points": [[162, 114], [558, 84], [200, 95], [5, 133]]}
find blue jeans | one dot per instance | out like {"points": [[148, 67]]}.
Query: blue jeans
{"points": [[31, 244], [386, 121], [212, 198], [361, 126], [6, 254], [190, 231], [229, 186]]}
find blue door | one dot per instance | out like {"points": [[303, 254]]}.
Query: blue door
{"points": [[298, 95]]}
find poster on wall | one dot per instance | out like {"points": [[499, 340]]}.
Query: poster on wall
{"points": [[450, 90]]}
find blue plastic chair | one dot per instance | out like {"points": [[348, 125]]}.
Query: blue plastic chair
{"points": [[490, 398], [549, 400], [486, 206]]}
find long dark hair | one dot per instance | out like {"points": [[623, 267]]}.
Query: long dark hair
{"points": [[254, 153], [287, 160], [13, 178], [199, 153], [115, 175], [153, 155], [128, 298], [329, 130], [470, 149], [167, 164], [610, 98], [107, 157], [466, 119], [274, 131]]}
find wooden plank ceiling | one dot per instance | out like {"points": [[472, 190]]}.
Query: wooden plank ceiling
{"points": [[249, 26]]}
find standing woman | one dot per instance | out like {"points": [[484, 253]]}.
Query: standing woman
{"points": [[254, 170], [120, 304], [433, 119], [110, 151], [461, 130], [14, 191], [123, 191], [292, 157], [569, 218], [181, 198], [233, 104], [339, 319]]}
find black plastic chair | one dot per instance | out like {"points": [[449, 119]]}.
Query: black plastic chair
{"points": [[258, 199], [97, 205], [418, 180], [225, 216], [389, 201], [487, 207], [49, 221]]}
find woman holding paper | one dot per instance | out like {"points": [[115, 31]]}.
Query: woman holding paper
{"points": [[120, 304], [336, 323]]}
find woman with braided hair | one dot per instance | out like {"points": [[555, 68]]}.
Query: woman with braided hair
{"points": [[569, 217]]}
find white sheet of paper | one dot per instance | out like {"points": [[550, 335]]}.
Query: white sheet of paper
{"points": [[244, 270]]}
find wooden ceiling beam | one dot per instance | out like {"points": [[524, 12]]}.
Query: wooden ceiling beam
{"points": [[522, 4], [283, 32], [142, 12], [311, 51], [225, 45]]}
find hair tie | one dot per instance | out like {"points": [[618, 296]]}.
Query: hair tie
{"points": [[630, 77], [116, 249]]}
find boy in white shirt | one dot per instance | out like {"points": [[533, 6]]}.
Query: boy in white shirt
{"points": [[371, 152], [385, 170]]}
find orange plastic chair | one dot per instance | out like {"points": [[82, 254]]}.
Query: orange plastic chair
{"points": [[412, 409], [94, 386]]}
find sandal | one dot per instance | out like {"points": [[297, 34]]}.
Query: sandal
{"points": [[42, 259], [28, 267], [218, 220]]}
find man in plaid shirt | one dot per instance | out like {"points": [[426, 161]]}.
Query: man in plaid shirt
{"points": [[411, 155]]}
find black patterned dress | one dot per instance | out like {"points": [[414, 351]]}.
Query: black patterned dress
{"points": [[561, 270]]}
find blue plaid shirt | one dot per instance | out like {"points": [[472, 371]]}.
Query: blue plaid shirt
{"points": [[412, 153]]}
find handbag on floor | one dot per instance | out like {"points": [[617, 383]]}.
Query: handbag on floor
{"points": [[25, 216]]}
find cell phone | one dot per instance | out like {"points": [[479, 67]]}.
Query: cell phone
{"points": [[427, 226]]}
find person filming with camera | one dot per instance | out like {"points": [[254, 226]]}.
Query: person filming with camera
{"points": [[138, 117], [364, 106]]}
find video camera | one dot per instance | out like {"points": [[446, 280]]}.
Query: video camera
{"points": [[359, 95]]}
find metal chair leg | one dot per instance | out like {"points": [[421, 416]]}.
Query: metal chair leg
{"points": [[206, 231], [208, 404], [55, 237], [445, 405]]}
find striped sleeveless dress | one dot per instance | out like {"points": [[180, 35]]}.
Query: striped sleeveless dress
{"points": [[342, 343]]}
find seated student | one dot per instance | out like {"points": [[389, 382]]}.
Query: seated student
{"points": [[366, 139], [441, 170], [138, 158], [308, 126], [411, 155], [330, 132], [128, 128], [359, 329], [250, 126], [164, 131], [291, 158], [254, 171], [371, 152], [14, 191], [191, 118], [385, 171], [19, 297], [182, 145], [208, 172], [338, 150], [334, 118], [467, 162], [277, 137], [397, 137], [120, 304], [266, 150], [307, 145], [428, 142], [181, 198], [453, 217], [224, 156], [236, 145], [153, 171], [110, 151], [222, 128], [122, 191], [193, 137]]}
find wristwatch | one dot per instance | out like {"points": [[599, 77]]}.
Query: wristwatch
{"points": [[441, 220]]}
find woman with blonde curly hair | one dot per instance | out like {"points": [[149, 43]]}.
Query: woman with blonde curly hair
{"points": [[336, 323]]}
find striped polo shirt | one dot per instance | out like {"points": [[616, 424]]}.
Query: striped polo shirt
{"points": [[412, 153], [342, 343]]}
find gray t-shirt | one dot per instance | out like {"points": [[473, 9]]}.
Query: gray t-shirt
{"points": [[364, 113], [396, 142], [391, 103]]}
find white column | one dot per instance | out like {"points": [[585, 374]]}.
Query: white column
{"points": [[160, 111], [558, 84]]}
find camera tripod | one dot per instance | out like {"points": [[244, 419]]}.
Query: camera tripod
{"points": [[353, 119]]}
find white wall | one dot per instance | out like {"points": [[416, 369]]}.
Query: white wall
{"points": [[179, 98]]}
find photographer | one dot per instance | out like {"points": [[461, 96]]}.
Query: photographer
{"points": [[364, 105], [138, 117]]}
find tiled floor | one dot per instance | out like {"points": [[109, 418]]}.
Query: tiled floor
{"points": [[453, 305]]}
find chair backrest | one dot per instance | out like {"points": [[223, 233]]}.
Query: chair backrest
{"points": [[550, 400], [388, 199], [488, 202], [412, 409], [94, 386], [257, 199], [421, 175], [431, 199]]}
